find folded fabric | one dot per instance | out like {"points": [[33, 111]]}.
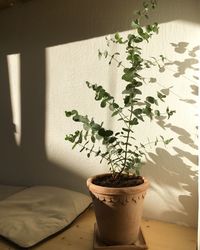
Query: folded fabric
{"points": [[6, 191], [35, 213]]}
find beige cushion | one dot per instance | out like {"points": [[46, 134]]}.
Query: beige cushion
{"points": [[6, 191], [35, 213]]}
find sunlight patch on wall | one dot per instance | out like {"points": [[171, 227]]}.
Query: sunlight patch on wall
{"points": [[68, 67], [14, 80]]}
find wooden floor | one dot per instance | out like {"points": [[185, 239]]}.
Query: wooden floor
{"points": [[158, 235]]}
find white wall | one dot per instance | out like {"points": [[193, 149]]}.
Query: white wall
{"points": [[48, 50]]}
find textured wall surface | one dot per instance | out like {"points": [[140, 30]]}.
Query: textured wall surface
{"points": [[49, 49]]}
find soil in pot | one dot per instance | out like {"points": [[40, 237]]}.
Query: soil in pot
{"points": [[121, 181]]}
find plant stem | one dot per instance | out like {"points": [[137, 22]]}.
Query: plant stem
{"points": [[127, 140], [93, 151], [121, 114], [116, 60]]}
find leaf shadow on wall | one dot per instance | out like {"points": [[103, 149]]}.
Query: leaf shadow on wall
{"points": [[181, 71], [169, 173], [189, 63]]}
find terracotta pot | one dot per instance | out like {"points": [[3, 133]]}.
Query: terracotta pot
{"points": [[118, 212]]}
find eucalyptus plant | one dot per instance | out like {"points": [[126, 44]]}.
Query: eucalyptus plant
{"points": [[120, 148]]}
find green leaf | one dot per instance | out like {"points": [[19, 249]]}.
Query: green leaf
{"points": [[142, 145], [161, 96], [143, 34], [140, 117], [155, 28], [130, 86], [98, 137], [95, 127], [86, 135], [134, 122], [120, 150], [129, 74], [137, 112], [99, 54], [137, 92], [102, 132], [148, 111], [88, 84], [137, 171], [83, 119], [138, 12], [115, 105], [111, 107], [162, 58], [112, 139], [150, 99], [68, 113], [80, 139], [134, 25], [69, 138], [170, 112], [156, 141], [127, 130], [117, 36], [86, 127], [104, 154], [115, 113], [145, 5], [108, 133], [157, 113], [126, 143], [138, 84], [137, 160], [149, 28], [76, 118], [168, 141], [126, 99], [162, 138], [103, 104], [98, 152], [93, 139], [140, 31], [82, 149], [138, 39], [119, 64]]}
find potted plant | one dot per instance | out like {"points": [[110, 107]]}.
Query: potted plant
{"points": [[118, 195]]}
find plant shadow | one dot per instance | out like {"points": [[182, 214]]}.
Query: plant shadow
{"points": [[181, 67], [168, 174]]}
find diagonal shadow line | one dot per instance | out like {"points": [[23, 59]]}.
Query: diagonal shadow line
{"points": [[27, 164]]}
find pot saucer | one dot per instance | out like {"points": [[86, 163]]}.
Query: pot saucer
{"points": [[140, 244]]}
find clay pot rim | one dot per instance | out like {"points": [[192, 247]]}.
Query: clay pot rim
{"points": [[116, 191]]}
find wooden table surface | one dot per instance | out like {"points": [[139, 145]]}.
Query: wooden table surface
{"points": [[158, 235]]}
